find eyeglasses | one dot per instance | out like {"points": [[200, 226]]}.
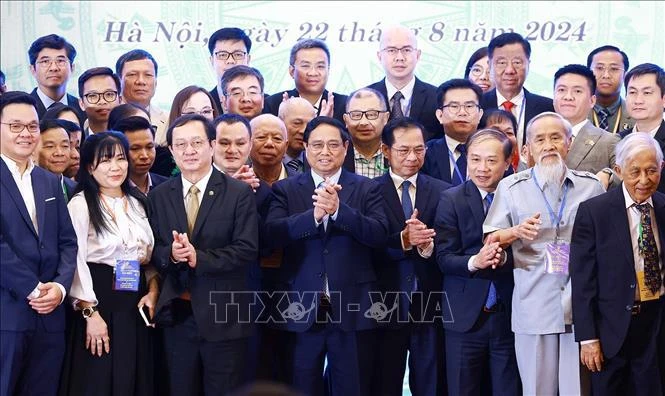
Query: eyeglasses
{"points": [[518, 64], [454, 107], [46, 62], [601, 69], [207, 112], [333, 145], [357, 115], [238, 93], [94, 97], [403, 152], [224, 55], [392, 51], [17, 127], [478, 71], [181, 145]]}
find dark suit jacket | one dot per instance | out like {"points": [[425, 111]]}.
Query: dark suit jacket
{"points": [[344, 251], [72, 101], [157, 179], [459, 235], [70, 185], [423, 105], [273, 101], [30, 257], [660, 137], [602, 268], [397, 269], [535, 104], [225, 236]]}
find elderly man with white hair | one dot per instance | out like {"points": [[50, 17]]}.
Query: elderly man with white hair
{"points": [[296, 113], [533, 212], [616, 268]]}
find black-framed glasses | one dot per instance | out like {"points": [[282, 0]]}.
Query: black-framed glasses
{"points": [[224, 55], [94, 97], [454, 107], [18, 127], [357, 115]]}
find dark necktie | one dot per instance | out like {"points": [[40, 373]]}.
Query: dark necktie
{"points": [[407, 205], [461, 165], [396, 110], [295, 165], [491, 294], [649, 250], [326, 289], [52, 105], [603, 119]]}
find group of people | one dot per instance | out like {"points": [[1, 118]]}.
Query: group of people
{"points": [[493, 240]]}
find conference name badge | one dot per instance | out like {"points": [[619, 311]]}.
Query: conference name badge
{"points": [[126, 275], [556, 257], [645, 293]]}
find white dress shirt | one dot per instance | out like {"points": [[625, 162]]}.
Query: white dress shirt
{"points": [[407, 92], [47, 101]]}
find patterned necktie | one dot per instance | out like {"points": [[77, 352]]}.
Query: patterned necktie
{"points": [[295, 165], [407, 205], [192, 208], [603, 119], [491, 294], [648, 250], [461, 165], [508, 106], [396, 110]]}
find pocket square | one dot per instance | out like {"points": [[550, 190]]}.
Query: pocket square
{"points": [[49, 199]]}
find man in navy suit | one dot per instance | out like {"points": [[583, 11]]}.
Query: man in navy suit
{"points": [[477, 276], [51, 64], [38, 248], [616, 269], [407, 265], [399, 55], [328, 220], [53, 153], [509, 56], [458, 110]]}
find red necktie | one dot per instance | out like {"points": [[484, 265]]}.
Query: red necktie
{"points": [[508, 106]]}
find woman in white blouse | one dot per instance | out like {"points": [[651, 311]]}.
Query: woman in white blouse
{"points": [[110, 346]]}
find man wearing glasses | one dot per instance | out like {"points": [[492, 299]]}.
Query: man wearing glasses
{"points": [[405, 94], [51, 64], [366, 115], [99, 88], [242, 91]]}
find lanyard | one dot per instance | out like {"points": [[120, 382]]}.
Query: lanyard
{"points": [[455, 168], [111, 213], [553, 217], [616, 123]]}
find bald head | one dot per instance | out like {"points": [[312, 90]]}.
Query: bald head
{"points": [[269, 140], [296, 113], [399, 55], [397, 32]]}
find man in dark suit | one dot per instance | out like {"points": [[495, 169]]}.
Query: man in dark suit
{"points": [[616, 269], [53, 153], [328, 220], [228, 47], [309, 65], [399, 55], [206, 236], [459, 112], [477, 276], [509, 56], [51, 64], [407, 265], [38, 249]]}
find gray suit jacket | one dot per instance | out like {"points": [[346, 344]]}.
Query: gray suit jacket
{"points": [[592, 149]]}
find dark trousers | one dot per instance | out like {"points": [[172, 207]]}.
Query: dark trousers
{"points": [[634, 370], [483, 358], [197, 366], [30, 361]]}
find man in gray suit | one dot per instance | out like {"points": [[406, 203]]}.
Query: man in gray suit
{"points": [[592, 149]]}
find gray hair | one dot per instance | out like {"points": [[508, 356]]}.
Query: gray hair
{"points": [[288, 105], [635, 143], [365, 93], [566, 125]]}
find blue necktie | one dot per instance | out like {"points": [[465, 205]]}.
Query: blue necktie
{"points": [[461, 165], [491, 295], [603, 119], [407, 205]]}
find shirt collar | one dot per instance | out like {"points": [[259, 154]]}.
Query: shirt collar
{"points": [[517, 100], [482, 192], [13, 166], [357, 155], [318, 179], [452, 143], [578, 127], [398, 180], [131, 183], [287, 158], [201, 184], [407, 91], [629, 200], [611, 108], [651, 132], [47, 101]]}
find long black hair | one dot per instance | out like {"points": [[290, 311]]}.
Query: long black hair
{"points": [[96, 148]]}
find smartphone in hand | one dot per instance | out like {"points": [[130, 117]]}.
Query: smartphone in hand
{"points": [[145, 314]]}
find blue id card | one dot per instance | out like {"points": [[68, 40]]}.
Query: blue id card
{"points": [[126, 275]]}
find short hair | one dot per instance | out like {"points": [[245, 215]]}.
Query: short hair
{"points": [[69, 126], [52, 41], [240, 71], [45, 125], [122, 111], [132, 124], [16, 97], [388, 133], [492, 116], [133, 55], [56, 109], [456, 83], [3, 79], [183, 96], [477, 55], [487, 133], [285, 105], [322, 120], [96, 72], [634, 143], [367, 92], [589, 59], [308, 44], [647, 68], [230, 119], [566, 124], [506, 39], [229, 34], [580, 70], [186, 119]]}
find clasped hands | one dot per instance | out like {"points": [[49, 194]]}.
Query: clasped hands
{"points": [[326, 200], [490, 255], [182, 249], [416, 233]]}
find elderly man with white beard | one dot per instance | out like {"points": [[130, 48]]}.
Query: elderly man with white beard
{"points": [[533, 213]]}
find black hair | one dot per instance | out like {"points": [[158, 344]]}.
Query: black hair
{"points": [[456, 83], [16, 97], [45, 125], [321, 120], [388, 133], [132, 124], [95, 72], [230, 119], [52, 41], [482, 134], [308, 44], [187, 118], [55, 111], [493, 115], [647, 68], [580, 70], [230, 34], [69, 126], [133, 55], [589, 59], [506, 39], [478, 54], [123, 111], [240, 71]]}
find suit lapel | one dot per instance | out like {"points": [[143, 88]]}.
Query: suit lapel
{"points": [[39, 189], [384, 90], [214, 190], [659, 209], [391, 198], [620, 223], [8, 181], [473, 198], [41, 109], [178, 204], [584, 142], [444, 163], [348, 186], [417, 100], [424, 195]]}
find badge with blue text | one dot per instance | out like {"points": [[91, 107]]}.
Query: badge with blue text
{"points": [[126, 275], [556, 257]]}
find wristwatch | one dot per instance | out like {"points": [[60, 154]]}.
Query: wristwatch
{"points": [[88, 311]]}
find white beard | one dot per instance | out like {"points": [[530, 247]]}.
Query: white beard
{"points": [[551, 174]]}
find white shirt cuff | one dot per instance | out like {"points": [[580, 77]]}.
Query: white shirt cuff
{"points": [[62, 290], [469, 264], [585, 342]]}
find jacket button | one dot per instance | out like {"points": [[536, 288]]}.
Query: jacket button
{"points": [[629, 307], [41, 246], [632, 285]]}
